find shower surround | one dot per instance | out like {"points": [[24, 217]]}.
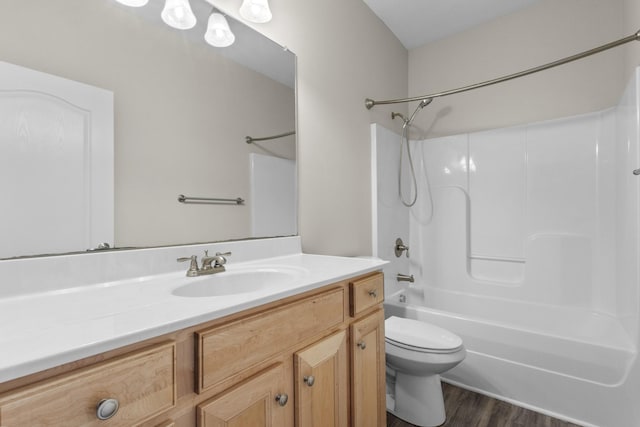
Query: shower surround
{"points": [[524, 241]]}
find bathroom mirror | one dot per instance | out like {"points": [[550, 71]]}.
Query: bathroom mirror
{"points": [[181, 108]]}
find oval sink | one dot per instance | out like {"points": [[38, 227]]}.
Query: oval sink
{"points": [[238, 282]]}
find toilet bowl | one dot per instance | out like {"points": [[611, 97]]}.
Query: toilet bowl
{"points": [[417, 353]]}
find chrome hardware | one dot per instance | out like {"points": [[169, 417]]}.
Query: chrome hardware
{"points": [[401, 247], [373, 293], [193, 267], [250, 140], [209, 200], [405, 278], [107, 408], [218, 262], [210, 264], [282, 399], [362, 345], [370, 103], [636, 172], [402, 298], [310, 380], [102, 246]]}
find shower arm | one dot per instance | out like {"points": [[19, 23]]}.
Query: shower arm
{"points": [[370, 103]]}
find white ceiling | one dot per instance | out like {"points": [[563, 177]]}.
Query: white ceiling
{"points": [[417, 22]]}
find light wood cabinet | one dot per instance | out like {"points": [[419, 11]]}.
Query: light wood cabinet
{"points": [[227, 350], [365, 293], [259, 401], [368, 371], [143, 384], [315, 359], [322, 383]]}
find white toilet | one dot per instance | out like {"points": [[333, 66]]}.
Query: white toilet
{"points": [[417, 353]]}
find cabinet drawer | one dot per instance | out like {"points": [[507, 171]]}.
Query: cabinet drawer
{"points": [[226, 350], [365, 293], [142, 382]]}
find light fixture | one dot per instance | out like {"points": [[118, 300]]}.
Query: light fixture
{"points": [[133, 3], [256, 11], [178, 14], [218, 32]]}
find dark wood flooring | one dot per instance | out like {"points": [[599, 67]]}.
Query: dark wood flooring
{"points": [[468, 409]]}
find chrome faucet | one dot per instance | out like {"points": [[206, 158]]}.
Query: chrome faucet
{"points": [[210, 264], [405, 278]]}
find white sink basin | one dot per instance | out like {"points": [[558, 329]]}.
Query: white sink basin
{"points": [[240, 281]]}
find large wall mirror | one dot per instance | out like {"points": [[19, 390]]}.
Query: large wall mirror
{"points": [[182, 110]]}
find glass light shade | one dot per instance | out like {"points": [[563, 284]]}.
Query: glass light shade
{"points": [[256, 11], [178, 14], [133, 3], [218, 32]]}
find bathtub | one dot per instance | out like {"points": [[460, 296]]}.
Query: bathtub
{"points": [[558, 361]]}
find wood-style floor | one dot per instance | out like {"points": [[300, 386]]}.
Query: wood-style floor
{"points": [[468, 409]]}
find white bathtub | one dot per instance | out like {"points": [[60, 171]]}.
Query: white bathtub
{"points": [[555, 360]]}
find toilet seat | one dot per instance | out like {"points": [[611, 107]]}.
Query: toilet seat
{"points": [[420, 336]]}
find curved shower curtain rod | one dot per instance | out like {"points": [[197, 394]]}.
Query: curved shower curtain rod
{"points": [[369, 103]]}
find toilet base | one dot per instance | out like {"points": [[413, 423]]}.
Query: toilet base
{"points": [[419, 400]]}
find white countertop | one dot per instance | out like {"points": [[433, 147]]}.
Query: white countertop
{"points": [[40, 330]]}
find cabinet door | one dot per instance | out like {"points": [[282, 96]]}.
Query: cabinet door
{"points": [[368, 371], [261, 401], [321, 383]]}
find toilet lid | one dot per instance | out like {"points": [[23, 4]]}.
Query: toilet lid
{"points": [[419, 334]]}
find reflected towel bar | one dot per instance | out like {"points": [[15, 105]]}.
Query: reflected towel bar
{"points": [[209, 200], [250, 140]]}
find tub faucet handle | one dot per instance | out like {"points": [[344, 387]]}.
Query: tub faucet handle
{"points": [[401, 247]]}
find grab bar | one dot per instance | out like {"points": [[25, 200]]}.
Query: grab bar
{"points": [[209, 200], [250, 140]]}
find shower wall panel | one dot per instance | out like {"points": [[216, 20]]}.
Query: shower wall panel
{"points": [[627, 219], [526, 213], [391, 218]]}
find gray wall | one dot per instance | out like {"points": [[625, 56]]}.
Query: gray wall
{"points": [[345, 54], [544, 32]]}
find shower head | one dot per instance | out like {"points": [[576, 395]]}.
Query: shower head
{"points": [[425, 102], [420, 106]]}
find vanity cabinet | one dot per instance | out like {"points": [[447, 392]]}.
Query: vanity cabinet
{"points": [[322, 383], [131, 389], [314, 359], [259, 401], [368, 371]]}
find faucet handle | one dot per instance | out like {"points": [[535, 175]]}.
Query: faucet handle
{"points": [[193, 267], [401, 247], [222, 260]]}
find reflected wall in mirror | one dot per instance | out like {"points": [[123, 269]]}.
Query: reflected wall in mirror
{"points": [[182, 109]]}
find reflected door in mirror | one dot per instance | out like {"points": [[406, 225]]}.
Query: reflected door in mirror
{"points": [[56, 163]]}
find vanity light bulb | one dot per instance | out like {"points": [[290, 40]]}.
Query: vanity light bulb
{"points": [[133, 3], [178, 14], [218, 32], [256, 11]]}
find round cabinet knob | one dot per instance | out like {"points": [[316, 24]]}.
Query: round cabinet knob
{"points": [[362, 345], [282, 399], [373, 293], [107, 408], [309, 380]]}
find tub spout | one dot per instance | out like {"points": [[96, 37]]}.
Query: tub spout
{"points": [[405, 278]]}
